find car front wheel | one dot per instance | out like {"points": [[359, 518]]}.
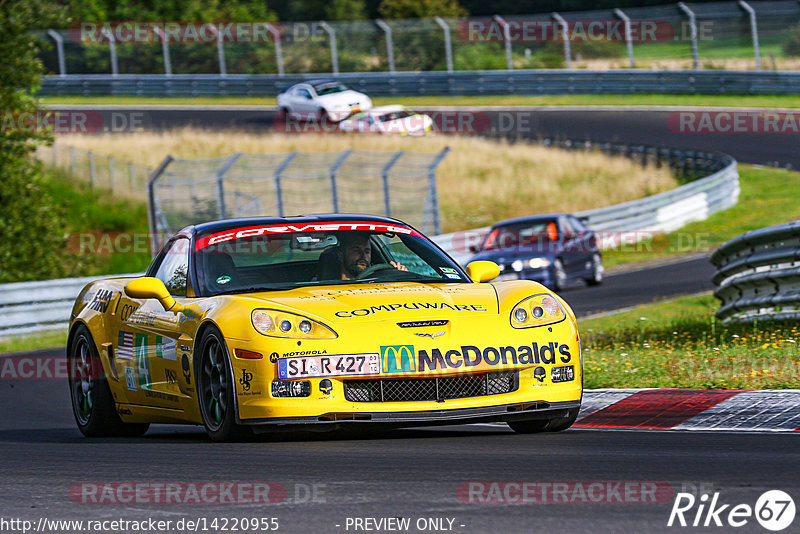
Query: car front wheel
{"points": [[597, 271]]}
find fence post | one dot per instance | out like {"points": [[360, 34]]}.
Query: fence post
{"points": [[506, 39], [55, 155], [332, 37], [92, 170], [692, 32], [73, 165], [334, 169], [112, 48], [278, 191], [278, 51], [385, 177], [448, 46], [628, 33], [62, 63], [164, 49], [221, 183], [389, 46], [753, 31], [223, 71], [111, 172], [565, 28], [151, 204], [434, 195]]}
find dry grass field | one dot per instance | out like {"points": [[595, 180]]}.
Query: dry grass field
{"points": [[480, 181]]}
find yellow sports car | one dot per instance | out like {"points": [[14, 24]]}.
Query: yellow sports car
{"points": [[268, 324]]}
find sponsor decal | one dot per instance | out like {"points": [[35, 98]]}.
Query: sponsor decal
{"points": [[398, 359], [142, 363], [274, 357], [452, 276], [101, 300], [186, 368], [191, 313], [247, 377], [303, 353], [448, 270], [170, 376], [222, 280], [142, 318], [160, 396], [420, 324], [125, 345], [339, 226], [539, 373], [326, 387], [126, 311], [130, 379], [363, 312], [166, 348], [432, 335], [124, 411], [471, 356]]}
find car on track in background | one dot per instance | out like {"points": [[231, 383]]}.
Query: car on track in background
{"points": [[554, 249], [388, 120], [322, 100], [249, 325]]}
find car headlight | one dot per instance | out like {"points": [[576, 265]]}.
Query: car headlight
{"points": [[278, 323], [517, 265], [538, 310], [538, 263]]}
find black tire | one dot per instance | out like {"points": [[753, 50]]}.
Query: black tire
{"points": [[215, 389], [92, 403], [559, 275], [544, 425], [597, 271]]}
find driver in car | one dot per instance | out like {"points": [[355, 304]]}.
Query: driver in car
{"points": [[356, 255]]}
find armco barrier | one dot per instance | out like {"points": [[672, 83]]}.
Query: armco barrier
{"points": [[758, 274], [34, 306], [457, 83], [663, 212]]}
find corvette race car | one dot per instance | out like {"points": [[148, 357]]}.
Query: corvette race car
{"points": [[318, 322]]}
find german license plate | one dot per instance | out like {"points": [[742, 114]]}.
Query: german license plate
{"points": [[329, 365]]}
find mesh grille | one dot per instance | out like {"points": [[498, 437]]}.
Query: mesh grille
{"points": [[431, 389]]}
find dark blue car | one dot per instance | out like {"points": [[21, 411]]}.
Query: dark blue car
{"points": [[553, 249]]}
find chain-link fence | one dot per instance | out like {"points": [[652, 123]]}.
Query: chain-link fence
{"points": [[397, 184], [728, 35], [122, 178]]}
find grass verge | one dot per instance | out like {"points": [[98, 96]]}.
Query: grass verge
{"points": [[48, 339], [680, 344], [755, 101], [768, 196]]}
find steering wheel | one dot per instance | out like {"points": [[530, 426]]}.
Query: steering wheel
{"points": [[373, 269]]}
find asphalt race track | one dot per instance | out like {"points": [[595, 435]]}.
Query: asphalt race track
{"points": [[47, 465]]}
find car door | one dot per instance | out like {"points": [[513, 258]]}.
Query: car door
{"points": [[305, 105], [148, 338], [570, 246]]}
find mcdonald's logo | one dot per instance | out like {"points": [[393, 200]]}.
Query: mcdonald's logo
{"points": [[398, 359]]}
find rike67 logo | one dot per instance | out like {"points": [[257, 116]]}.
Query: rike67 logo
{"points": [[774, 510]]}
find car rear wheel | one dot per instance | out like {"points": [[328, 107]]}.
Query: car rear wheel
{"points": [[215, 389], [544, 425], [92, 403], [597, 271]]}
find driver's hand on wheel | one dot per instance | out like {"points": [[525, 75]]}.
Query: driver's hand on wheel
{"points": [[399, 266]]}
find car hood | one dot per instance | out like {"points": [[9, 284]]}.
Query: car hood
{"points": [[344, 99], [400, 301]]}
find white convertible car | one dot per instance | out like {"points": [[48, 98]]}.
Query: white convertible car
{"points": [[322, 100], [388, 120]]}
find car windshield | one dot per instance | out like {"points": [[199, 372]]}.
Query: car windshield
{"points": [[273, 257], [393, 116], [329, 88], [519, 235]]}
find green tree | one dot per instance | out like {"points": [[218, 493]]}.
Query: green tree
{"points": [[33, 243], [415, 9], [346, 10]]}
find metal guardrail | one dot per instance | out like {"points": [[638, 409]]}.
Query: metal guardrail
{"points": [[758, 274], [717, 190], [34, 306], [458, 83]]}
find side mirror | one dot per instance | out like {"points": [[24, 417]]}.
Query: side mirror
{"points": [[483, 271], [151, 288]]}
